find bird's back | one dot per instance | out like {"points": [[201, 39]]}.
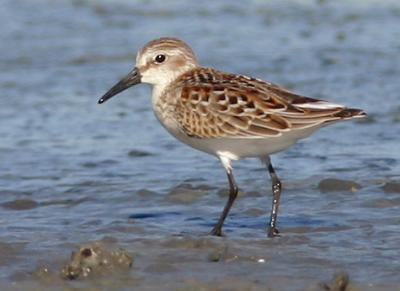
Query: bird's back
{"points": [[210, 104]]}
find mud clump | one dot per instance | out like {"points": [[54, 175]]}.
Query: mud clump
{"points": [[340, 282], [96, 259]]}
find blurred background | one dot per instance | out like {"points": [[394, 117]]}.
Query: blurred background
{"points": [[72, 171]]}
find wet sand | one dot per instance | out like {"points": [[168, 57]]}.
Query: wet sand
{"points": [[207, 263], [109, 184], [175, 252]]}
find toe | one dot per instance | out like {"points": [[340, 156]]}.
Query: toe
{"points": [[273, 232]]}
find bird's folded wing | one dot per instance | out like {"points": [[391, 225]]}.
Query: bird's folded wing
{"points": [[238, 106]]}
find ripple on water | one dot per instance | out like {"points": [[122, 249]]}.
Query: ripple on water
{"points": [[146, 215], [108, 159], [12, 193]]}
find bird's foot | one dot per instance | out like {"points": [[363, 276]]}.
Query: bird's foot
{"points": [[273, 232], [216, 231]]}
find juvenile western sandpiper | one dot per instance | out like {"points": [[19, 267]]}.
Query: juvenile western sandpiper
{"points": [[226, 115]]}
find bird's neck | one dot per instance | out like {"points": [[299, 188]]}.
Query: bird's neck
{"points": [[160, 89]]}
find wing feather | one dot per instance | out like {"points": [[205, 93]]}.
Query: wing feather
{"points": [[214, 104]]}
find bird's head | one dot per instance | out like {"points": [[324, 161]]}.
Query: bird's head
{"points": [[158, 63]]}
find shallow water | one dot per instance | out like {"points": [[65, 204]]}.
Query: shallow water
{"points": [[72, 171]]}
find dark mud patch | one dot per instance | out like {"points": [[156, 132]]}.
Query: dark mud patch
{"points": [[337, 185], [20, 204], [392, 187], [185, 194], [139, 154]]}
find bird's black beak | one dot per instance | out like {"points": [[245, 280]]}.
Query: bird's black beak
{"points": [[129, 80]]}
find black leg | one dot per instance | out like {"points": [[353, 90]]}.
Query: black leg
{"points": [[233, 191], [276, 195]]}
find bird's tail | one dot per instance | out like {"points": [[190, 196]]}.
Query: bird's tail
{"points": [[348, 113]]}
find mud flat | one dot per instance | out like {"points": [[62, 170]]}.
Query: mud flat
{"points": [[109, 184]]}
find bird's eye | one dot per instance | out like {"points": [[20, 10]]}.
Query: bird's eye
{"points": [[160, 58]]}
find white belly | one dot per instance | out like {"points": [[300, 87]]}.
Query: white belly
{"points": [[234, 148], [239, 148]]}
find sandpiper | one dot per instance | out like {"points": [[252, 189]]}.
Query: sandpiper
{"points": [[226, 115]]}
